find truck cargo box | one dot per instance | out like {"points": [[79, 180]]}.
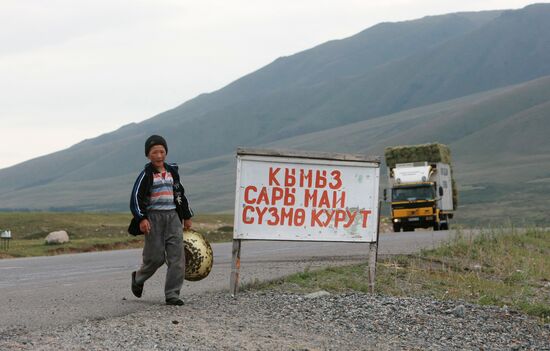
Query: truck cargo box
{"points": [[431, 153]]}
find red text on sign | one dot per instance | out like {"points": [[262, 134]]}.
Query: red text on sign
{"points": [[269, 196], [274, 216], [304, 178], [324, 198]]}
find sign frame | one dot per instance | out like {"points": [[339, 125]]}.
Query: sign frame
{"points": [[307, 158]]}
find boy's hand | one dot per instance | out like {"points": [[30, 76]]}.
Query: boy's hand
{"points": [[187, 224], [145, 226]]}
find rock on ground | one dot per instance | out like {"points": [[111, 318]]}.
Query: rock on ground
{"points": [[58, 237]]}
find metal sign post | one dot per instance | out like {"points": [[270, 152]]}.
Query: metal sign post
{"points": [[305, 196], [235, 267], [373, 254]]}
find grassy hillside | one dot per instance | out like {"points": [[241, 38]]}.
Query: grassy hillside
{"points": [[508, 178], [89, 231], [392, 84], [264, 101], [291, 96]]}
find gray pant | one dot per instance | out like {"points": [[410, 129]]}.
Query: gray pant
{"points": [[164, 243]]}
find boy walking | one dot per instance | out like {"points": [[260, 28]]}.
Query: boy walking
{"points": [[159, 206]]}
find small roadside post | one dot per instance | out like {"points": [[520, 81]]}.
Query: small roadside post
{"points": [[373, 254], [293, 195], [5, 237]]}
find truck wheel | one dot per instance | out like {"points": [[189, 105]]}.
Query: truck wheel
{"points": [[396, 228]]}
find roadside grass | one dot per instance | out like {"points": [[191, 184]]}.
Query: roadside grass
{"points": [[498, 267], [37, 225], [89, 231]]}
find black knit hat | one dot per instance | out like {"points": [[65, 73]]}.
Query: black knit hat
{"points": [[154, 140]]}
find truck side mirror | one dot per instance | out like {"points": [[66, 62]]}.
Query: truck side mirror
{"points": [[440, 191], [385, 194]]}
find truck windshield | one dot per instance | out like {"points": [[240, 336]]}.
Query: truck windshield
{"points": [[413, 193]]}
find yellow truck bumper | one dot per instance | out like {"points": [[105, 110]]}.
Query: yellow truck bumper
{"points": [[413, 212]]}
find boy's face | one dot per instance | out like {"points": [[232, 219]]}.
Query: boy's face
{"points": [[157, 155]]}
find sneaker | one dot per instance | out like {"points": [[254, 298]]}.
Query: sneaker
{"points": [[175, 302], [137, 289]]}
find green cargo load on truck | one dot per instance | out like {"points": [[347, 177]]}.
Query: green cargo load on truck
{"points": [[431, 153]]}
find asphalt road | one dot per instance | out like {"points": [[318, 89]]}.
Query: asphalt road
{"points": [[60, 290]]}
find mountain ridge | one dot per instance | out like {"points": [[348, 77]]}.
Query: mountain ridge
{"points": [[210, 181], [375, 81]]}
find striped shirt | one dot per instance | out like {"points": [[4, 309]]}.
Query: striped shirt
{"points": [[162, 193]]}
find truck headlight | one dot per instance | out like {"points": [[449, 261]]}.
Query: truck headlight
{"points": [[396, 220]]}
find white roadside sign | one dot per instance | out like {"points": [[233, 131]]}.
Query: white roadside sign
{"points": [[290, 196]]}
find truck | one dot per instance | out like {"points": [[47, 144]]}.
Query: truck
{"points": [[421, 187]]}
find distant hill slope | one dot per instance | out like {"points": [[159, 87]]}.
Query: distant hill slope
{"points": [[498, 139], [343, 95], [265, 101]]}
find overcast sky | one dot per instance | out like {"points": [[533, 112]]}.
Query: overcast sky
{"points": [[74, 69]]}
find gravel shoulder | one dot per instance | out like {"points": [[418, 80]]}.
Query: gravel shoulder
{"points": [[282, 321]]}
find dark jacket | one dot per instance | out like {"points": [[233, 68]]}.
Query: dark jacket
{"points": [[141, 192]]}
